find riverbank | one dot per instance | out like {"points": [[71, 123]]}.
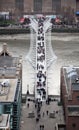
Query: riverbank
{"points": [[54, 36], [8, 31]]}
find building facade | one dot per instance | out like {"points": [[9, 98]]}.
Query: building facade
{"points": [[14, 7], [19, 7], [10, 88], [70, 96], [49, 6]]}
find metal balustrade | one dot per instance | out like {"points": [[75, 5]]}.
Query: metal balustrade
{"points": [[47, 24]]}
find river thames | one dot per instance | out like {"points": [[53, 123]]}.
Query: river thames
{"points": [[65, 47]]}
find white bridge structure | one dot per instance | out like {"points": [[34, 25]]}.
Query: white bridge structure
{"points": [[41, 55]]}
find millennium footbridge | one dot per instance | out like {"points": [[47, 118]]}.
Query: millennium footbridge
{"points": [[41, 55]]}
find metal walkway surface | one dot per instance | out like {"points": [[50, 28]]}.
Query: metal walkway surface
{"points": [[41, 55]]}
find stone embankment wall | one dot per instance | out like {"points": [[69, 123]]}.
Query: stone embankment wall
{"points": [[27, 30]]}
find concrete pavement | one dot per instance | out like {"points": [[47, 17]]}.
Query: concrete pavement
{"points": [[28, 122]]}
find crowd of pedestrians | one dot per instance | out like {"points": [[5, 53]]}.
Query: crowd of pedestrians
{"points": [[41, 59]]}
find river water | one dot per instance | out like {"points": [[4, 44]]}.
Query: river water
{"points": [[65, 46]]}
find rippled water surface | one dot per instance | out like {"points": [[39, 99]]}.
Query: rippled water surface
{"points": [[65, 46]]}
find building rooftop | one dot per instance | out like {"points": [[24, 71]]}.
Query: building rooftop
{"points": [[71, 76], [8, 61], [9, 66], [7, 89], [8, 71], [4, 121]]}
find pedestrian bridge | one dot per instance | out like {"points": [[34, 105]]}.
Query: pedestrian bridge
{"points": [[41, 55]]}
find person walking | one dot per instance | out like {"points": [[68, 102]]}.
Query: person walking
{"points": [[28, 105], [43, 114], [47, 112], [40, 127]]}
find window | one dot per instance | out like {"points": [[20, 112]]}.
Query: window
{"points": [[56, 6], [73, 110], [38, 6], [7, 109], [74, 125], [19, 4], [78, 97]]}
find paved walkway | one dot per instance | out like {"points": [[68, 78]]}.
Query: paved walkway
{"points": [[28, 121]]}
